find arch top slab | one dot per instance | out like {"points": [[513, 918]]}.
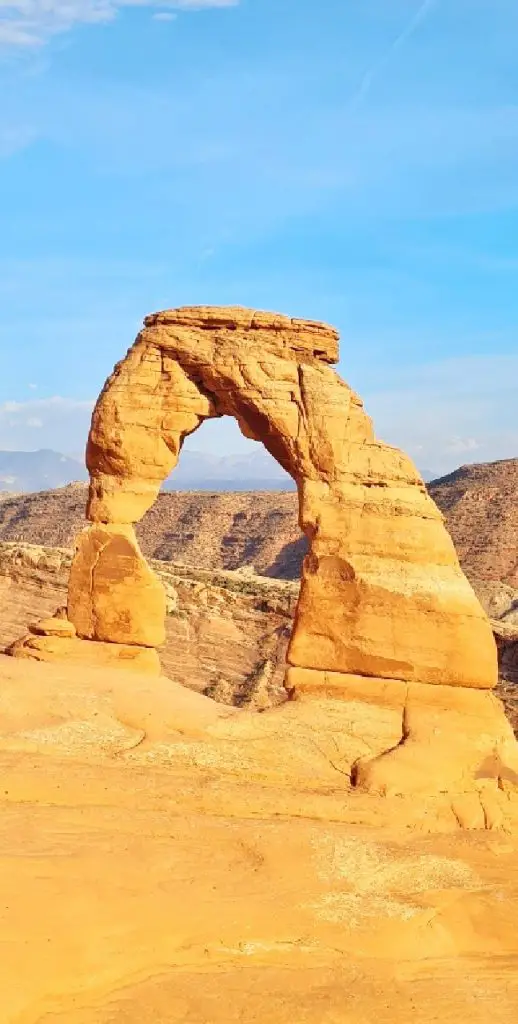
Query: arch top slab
{"points": [[283, 334], [382, 592]]}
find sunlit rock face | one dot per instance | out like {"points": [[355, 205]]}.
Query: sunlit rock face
{"points": [[382, 592]]}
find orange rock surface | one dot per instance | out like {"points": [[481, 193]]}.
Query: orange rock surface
{"points": [[73, 650], [167, 859], [113, 594]]}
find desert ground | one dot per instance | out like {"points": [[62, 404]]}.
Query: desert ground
{"points": [[168, 859]]}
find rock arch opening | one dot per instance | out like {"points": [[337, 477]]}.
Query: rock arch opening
{"points": [[216, 457], [241, 507], [240, 550]]}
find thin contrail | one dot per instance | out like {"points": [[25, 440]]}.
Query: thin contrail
{"points": [[369, 76]]}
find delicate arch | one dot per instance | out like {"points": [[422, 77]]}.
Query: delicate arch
{"points": [[382, 592]]}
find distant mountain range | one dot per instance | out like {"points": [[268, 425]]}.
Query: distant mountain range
{"points": [[200, 471], [44, 470], [38, 471], [23, 472]]}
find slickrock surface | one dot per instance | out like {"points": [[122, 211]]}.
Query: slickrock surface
{"points": [[168, 859]]}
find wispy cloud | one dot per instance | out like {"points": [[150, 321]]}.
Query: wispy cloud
{"points": [[32, 23], [164, 16], [450, 412], [369, 77]]}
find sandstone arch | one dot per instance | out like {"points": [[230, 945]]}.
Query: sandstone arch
{"points": [[382, 595]]}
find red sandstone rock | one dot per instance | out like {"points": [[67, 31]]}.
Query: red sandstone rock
{"points": [[382, 591], [113, 594]]}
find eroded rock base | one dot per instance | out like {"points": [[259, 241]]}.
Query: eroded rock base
{"points": [[450, 739], [349, 750]]}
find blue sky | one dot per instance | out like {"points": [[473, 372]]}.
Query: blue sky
{"points": [[355, 161]]}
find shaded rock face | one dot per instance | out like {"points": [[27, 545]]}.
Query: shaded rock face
{"points": [[382, 593]]}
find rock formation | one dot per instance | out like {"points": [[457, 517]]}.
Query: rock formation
{"points": [[382, 592], [385, 613], [226, 632]]}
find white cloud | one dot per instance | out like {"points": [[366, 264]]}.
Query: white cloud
{"points": [[31, 23], [164, 16], [61, 424]]}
